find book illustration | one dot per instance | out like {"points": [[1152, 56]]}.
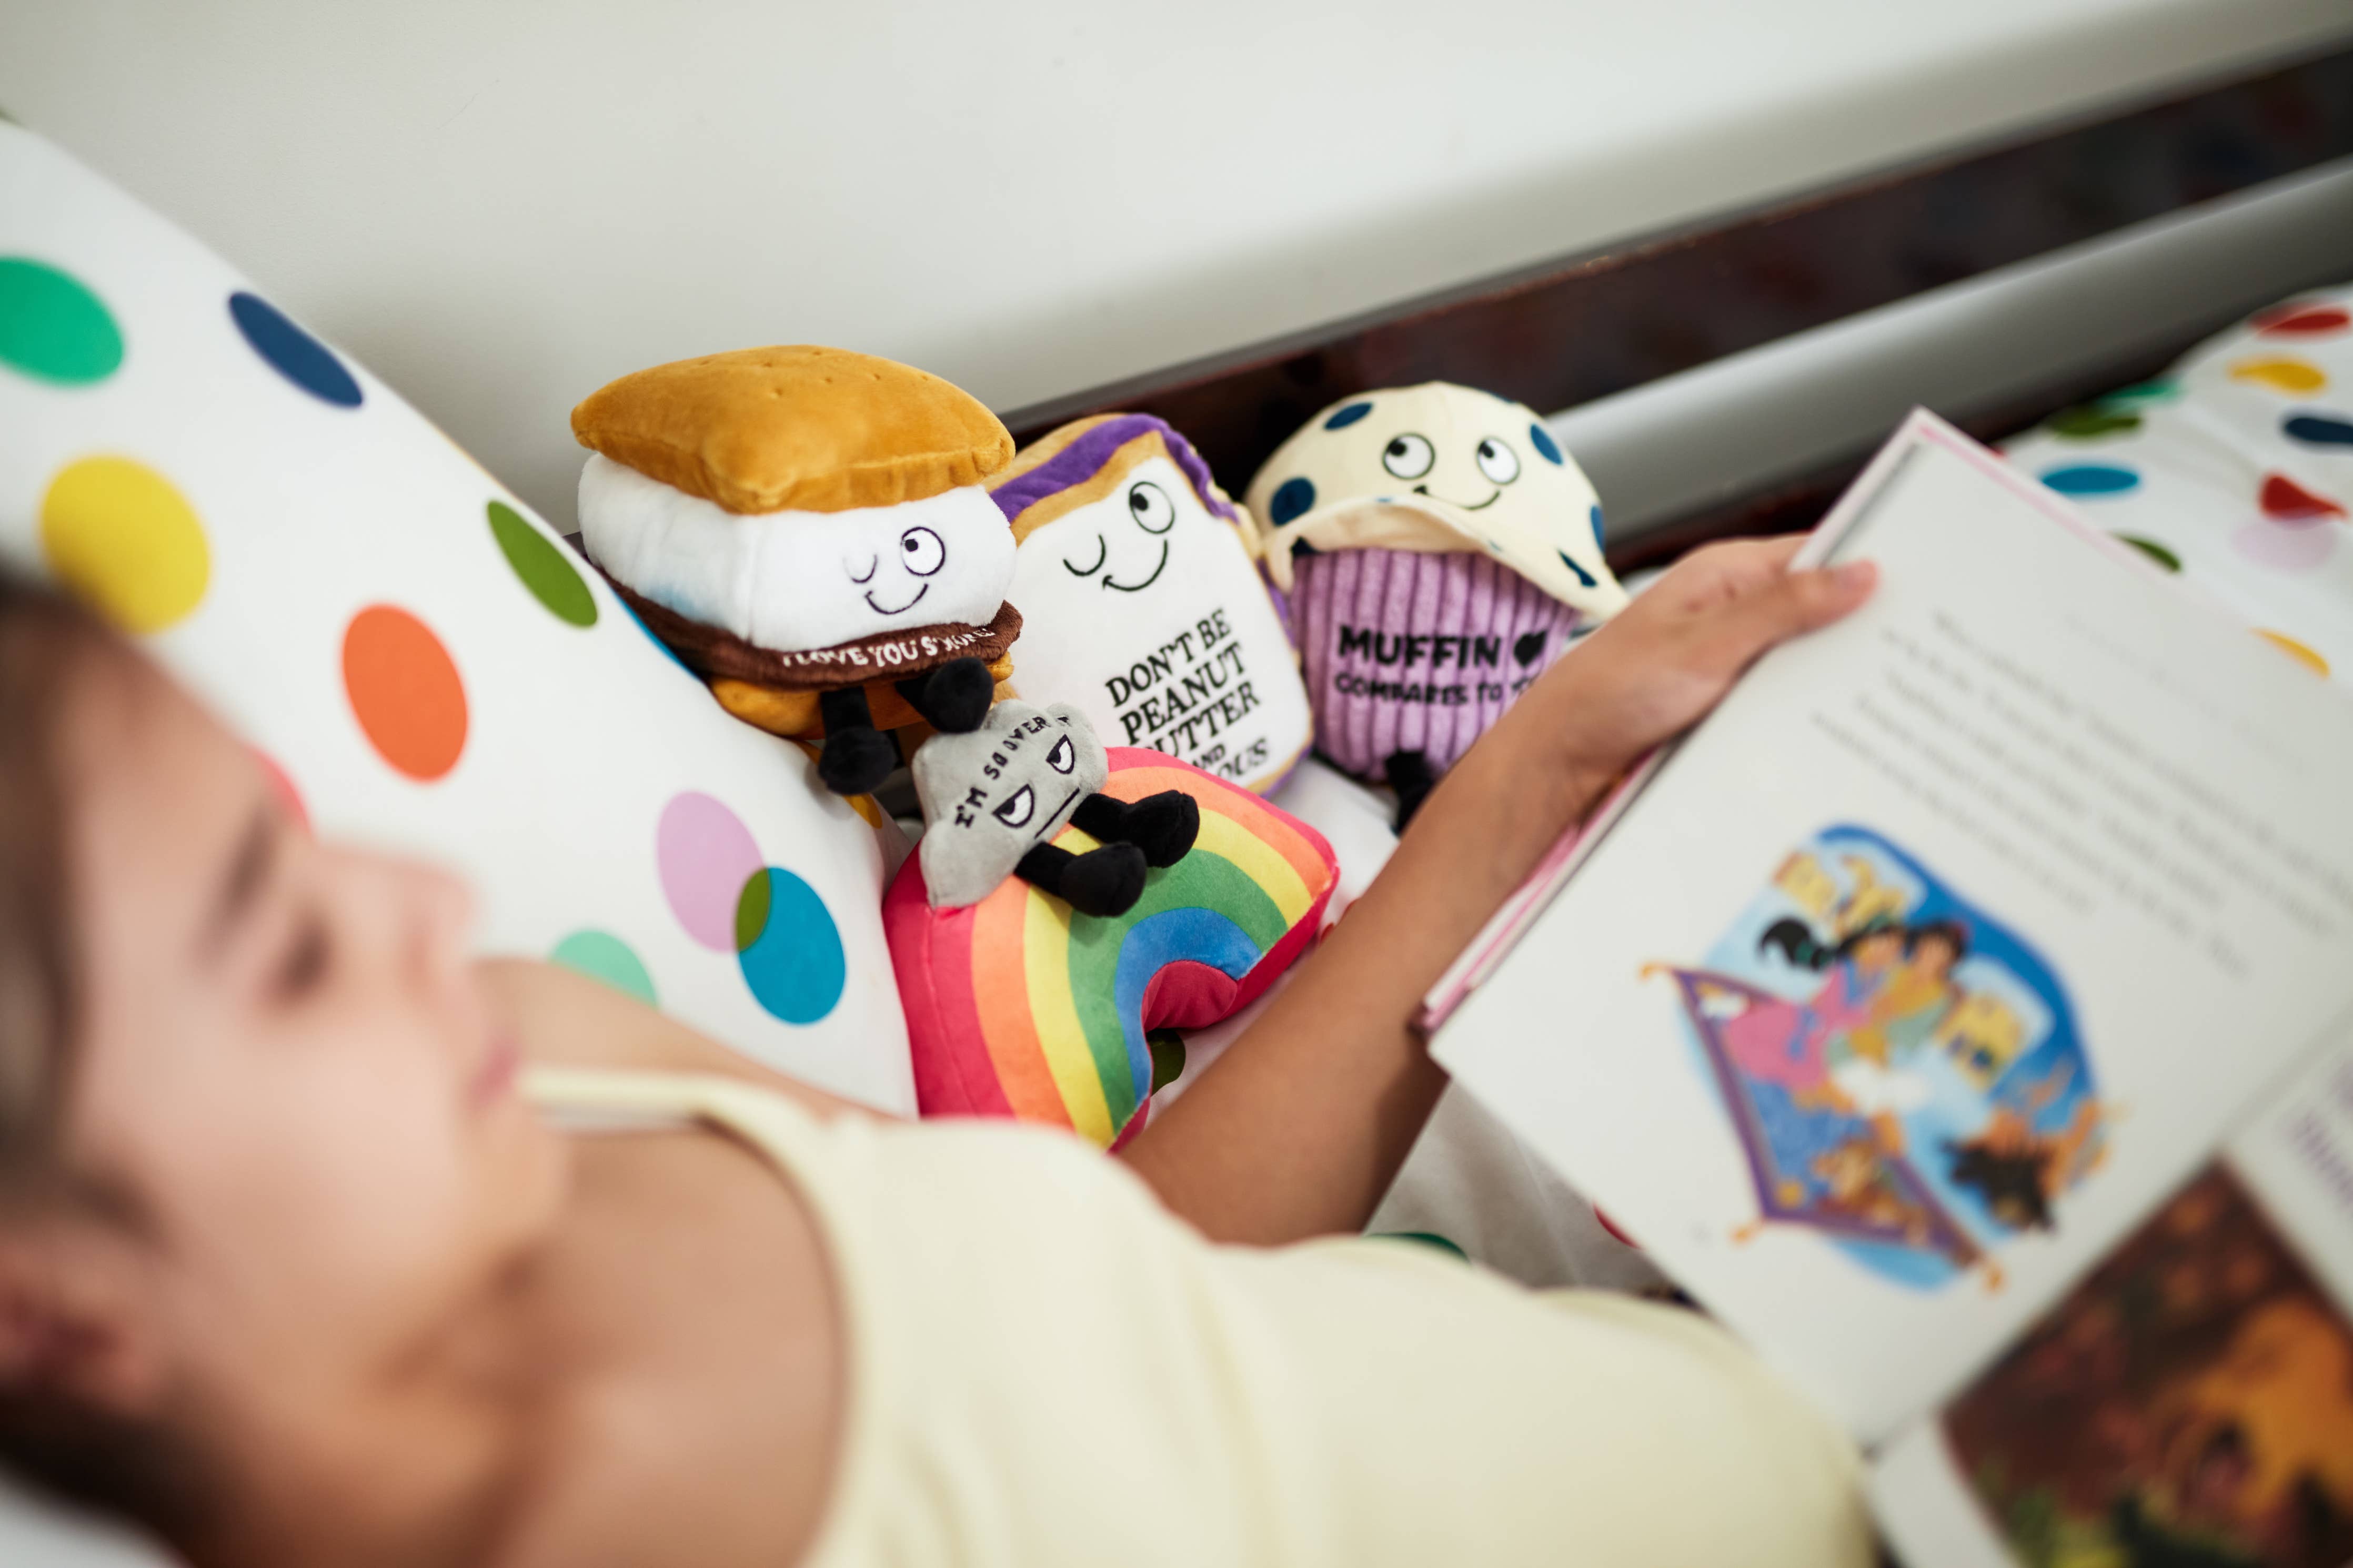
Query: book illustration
{"points": [[1902, 1071], [2191, 1402]]}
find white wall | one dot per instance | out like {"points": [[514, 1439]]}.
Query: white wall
{"points": [[499, 205]]}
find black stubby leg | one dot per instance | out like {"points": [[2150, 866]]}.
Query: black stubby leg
{"points": [[856, 757], [952, 699], [1163, 825], [1409, 775], [1103, 881]]}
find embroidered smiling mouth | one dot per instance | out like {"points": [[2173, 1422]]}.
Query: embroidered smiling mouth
{"points": [[1139, 587], [1491, 500], [921, 590]]}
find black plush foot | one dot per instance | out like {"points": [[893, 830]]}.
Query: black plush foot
{"points": [[856, 760], [1105, 881], [952, 699], [1408, 773], [1102, 882], [1163, 825]]}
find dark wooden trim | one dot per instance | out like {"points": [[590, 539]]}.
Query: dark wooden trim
{"points": [[1579, 327]]}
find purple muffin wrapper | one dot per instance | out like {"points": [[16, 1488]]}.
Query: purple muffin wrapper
{"points": [[1409, 652]]}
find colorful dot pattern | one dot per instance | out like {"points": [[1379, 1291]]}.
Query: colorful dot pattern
{"points": [[118, 533], [405, 692], [542, 566], [283, 790], [2296, 377], [772, 920], [705, 854], [138, 532], [788, 947], [52, 327], [2234, 470], [293, 353], [601, 955], [2319, 429], [2092, 479]]}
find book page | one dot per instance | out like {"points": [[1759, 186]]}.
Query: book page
{"points": [[2191, 1401], [1946, 948]]}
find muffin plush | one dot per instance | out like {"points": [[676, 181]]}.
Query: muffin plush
{"points": [[809, 530], [1439, 550]]}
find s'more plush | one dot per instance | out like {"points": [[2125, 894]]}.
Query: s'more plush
{"points": [[1439, 550], [810, 530]]}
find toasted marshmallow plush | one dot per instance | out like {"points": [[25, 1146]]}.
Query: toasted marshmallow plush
{"points": [[791, 581]]}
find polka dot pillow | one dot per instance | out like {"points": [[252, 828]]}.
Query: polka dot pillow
{"points": [[2235, 471], [424, 664]]}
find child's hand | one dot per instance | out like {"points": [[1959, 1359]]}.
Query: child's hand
{"points": [[1669, 656], [1300, 1127]]}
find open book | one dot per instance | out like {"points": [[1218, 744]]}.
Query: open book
{"points": [[1964, 1014]]}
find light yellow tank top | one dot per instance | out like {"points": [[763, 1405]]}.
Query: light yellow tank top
{"points": [[1047, 1368]]}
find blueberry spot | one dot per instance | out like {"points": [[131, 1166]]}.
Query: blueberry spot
{"points": [[1597, 527], [1582, 574], [1343, 417], [1293, 501], [291, 352], [2092, 479], [1301, 547], [1546, 448], [2318, 430]]}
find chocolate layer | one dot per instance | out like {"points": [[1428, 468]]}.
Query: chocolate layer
{"points": [[888, 655]]}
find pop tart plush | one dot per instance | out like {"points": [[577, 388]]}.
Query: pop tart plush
{"points": [[807, 529], [1439, 550], [1147, 610]]}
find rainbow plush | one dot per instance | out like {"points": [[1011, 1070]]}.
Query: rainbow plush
{"points": [[1019, 1006]]}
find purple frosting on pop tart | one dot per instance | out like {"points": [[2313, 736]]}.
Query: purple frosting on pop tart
{"points": [[1083, 459]]}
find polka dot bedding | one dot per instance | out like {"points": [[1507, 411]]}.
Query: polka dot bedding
{"points": [[419, 662], [2234, 470]]}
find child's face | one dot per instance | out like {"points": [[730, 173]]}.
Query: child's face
{"points": [[283, 1053]]}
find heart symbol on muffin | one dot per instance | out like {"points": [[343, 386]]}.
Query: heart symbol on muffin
{"points": [[1529, 647]]}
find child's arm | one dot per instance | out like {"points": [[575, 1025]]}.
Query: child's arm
{"points": [[1299, 1129]]}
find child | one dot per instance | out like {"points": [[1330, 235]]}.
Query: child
{"points": [[296, 1266]]}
